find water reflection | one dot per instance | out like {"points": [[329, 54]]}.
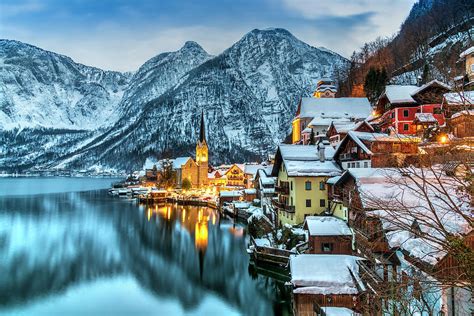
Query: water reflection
{"points": [[52, 243]]}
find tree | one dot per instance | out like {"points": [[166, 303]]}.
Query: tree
{"points": [[166, 175], [374, 83], [186, 185]]}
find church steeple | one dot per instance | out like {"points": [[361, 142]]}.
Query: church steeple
{"points": [[202, 132]]}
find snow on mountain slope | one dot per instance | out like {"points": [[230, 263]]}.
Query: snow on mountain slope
{"points": [[249, 95], [43, 89]]}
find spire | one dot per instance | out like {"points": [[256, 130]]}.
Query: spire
{"points": [[202, 132]]}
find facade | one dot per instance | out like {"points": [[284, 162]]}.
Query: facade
{"points": [[326, 88], [398, 105], [318, 113], [301, 173], [328, 235], [338, 130], [466, 80], [374, 150], [462, 124], [235, 176], [321, 281]]}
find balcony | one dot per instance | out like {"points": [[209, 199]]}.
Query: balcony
{"points": [[348, 156], [283, 207], [284, 190]]}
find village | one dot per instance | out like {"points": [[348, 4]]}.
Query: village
{"points": [[368, 207]]}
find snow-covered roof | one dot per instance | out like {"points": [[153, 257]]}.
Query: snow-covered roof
{"points": [[324, 274], [335, 108], [400, 93], [425, 118], [333, 180], [230, 193], [359, 137], [254, 168], [241, 205], [327, 226], [432, 82], [460, 98], [303, 160], [250, 191], [398, 201], [465, 112], [467, 52], [178, 162], [337, 311]]}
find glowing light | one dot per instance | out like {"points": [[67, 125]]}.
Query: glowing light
{"points": [[149, 214], [201, 235], [183, 215], [374, 113], [443, 139]]}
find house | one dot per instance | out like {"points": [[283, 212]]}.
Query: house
{"points": [[320, 281], [336, 206], [400, 231], [229, 197], [301, 173], [370, 150], [264, 183], [318, 113], [328, 235], [466, 80], [236, 176], [462, 124], [455, 102], [397, 107], [338, 130], [217, 178]]}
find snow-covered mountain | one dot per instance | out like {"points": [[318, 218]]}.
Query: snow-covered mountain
{"points": [[248, 93]]}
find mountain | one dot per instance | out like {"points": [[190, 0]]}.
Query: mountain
{"points": [[248, 93]]}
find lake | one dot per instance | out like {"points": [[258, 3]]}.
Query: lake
{"points": [[68, 248]]}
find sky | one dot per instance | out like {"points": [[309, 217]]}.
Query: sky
{"points": [[122, 34]]}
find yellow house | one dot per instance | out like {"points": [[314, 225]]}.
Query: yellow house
{"points": [[301, 173], [236, 176]]}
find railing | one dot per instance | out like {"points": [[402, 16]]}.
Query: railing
{"points": [[283, 207], [285, 190]]}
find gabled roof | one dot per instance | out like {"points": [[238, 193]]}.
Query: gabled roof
{"points": [[334, 108], [303, 160], [327, 226], [360, 137], [460, 98], [180, 161], [430, 84], [325, 274], [399, 93], [467, 52], [345, 127]]}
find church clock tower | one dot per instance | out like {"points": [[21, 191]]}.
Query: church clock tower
{"points": [[202, 155]]}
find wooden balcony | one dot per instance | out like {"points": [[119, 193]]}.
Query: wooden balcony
{"points": [[283, 190], [283, 207]]}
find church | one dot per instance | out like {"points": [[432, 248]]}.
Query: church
{"points": [[195, 170]]}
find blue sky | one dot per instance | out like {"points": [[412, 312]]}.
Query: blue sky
{"points": [[122, 35]]}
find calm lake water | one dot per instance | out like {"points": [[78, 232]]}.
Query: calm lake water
{"points": [[68, 248]]}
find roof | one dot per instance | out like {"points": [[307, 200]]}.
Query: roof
{"points": [[465, 112], [459, 98], [398, 202], [334, 108], [467, 52], [429, 84], [345, 127], [337, 311], [333, 180], [303, 160], [327, 226], [230, 193], [178, 162], [324, 274], [425, 118], [400, 93]]}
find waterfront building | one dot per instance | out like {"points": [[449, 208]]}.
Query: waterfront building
{"points": [[301, 173], [328, 235]]}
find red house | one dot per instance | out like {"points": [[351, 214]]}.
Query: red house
{"points": [[399, 104]]}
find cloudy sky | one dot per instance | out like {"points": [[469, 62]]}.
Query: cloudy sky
{"points": [[122, 34]]}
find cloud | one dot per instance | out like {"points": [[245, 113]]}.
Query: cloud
{"points": [[14, 9]]}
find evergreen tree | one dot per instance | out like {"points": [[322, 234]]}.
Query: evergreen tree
{"points": [[426, 75], [374, 83]]}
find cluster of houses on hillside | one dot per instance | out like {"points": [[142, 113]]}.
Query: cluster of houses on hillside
{"points": [[378, 217]]}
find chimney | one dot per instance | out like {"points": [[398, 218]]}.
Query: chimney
{"points": [[321, 149]]}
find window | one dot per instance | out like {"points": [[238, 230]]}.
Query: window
{"points": [[326, 247], [405, 113], [406, 127], [353, 165], [322, 186], [307, 185], [437, 111], [393, 114], [322, 203], [291, 200], [366, 164], [308, 203], [358, 164], [291, 185]]}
